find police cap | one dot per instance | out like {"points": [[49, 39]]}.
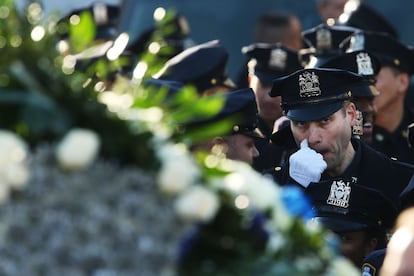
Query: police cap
{"points": [[315, 93], [359, 62], [239, 107], [327, 38], [344, 206], [366, 18], [203, 66], [389, 51], [270, 61]]}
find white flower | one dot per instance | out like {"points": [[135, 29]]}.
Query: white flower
{"points": [[12, 148], [178, 170], [78, 149], [263, 194], [17, 175], [307, 263], [197, 204], [13, 167], [341, 266], [261, 191]]}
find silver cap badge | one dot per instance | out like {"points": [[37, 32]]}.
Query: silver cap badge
{"points": [[364, 63], [309, 85], [323, 39], [339, 194], [278, 59]]}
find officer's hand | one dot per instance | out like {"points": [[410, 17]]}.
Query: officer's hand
{"points": [[306, 165]]}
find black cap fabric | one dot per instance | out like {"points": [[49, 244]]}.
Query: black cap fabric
{"points": [[344, 206], [389, 51], [315, 93], [239, 106], [203, 66], [366, 18], [171, 87], [359, 62], [271, 61]]}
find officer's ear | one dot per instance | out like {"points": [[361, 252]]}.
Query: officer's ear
{"points": [[351, 112], [403, 82]]}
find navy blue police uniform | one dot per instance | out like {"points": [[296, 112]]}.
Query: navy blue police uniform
{"points": [[368, 168]]}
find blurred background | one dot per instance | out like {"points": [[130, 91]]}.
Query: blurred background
{"points": [[231, 21]]}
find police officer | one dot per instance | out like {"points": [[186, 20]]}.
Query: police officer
{"points": [[393, 116], [318, 103], [360, 216], [266, 62], [232, 130]]}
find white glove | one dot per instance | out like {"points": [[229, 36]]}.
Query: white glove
{"points": [[306, 165]]}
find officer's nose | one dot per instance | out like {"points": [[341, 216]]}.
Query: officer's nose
{"points": [[314, 135]]}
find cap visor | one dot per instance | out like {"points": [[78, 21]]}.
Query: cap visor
{"points": [[313, 112], [255, 133], [340, 224]]}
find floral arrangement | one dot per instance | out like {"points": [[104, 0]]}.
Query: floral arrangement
{"points": [[107, 189]]}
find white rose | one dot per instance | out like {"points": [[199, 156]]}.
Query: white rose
{"points": [[341, 266], [197, 204], [261, 191], [263, 194], [78, 149], [12, 148], [178, 170], [16, 174], [13, 167]]}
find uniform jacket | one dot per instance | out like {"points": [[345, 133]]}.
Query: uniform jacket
{"points": [[370, 168]]}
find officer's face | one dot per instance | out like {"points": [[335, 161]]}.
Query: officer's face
{"points": [[392, 86], [241, 147], [331, 137], [269, 107], [356, 245]]}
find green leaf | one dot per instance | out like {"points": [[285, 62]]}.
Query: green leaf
{"points": [[83, 33]]}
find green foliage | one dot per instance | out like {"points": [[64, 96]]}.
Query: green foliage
{"points": [[82, 33]]}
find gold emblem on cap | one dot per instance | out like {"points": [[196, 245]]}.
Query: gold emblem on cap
{"points": [[397, 62], [339, 194], [364, 63], [323, 39], [277, 59], [309, 85], [236, 128]]}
